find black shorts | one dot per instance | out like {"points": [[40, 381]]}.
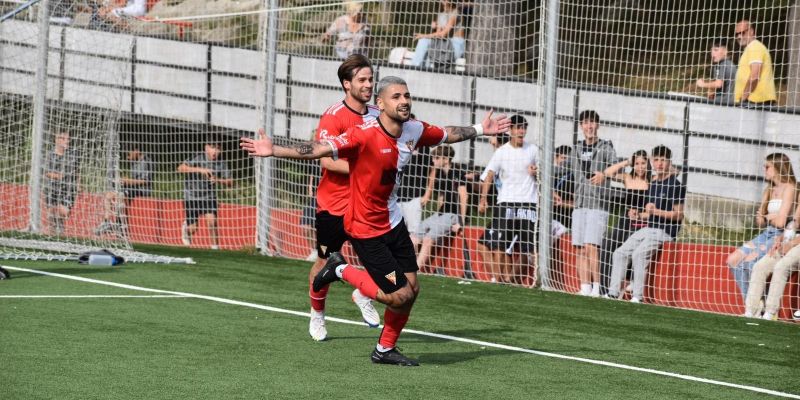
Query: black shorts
{"points": [[196, 208], [492, 236], [330, 233], [388, 257], [519, 227]]}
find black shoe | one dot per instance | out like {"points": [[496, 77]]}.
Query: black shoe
{"points": [[393, 357], [4, 274], [327, 274]]}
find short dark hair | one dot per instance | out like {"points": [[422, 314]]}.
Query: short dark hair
{"points": [[591, 115], [662, 151], [351, 65], [518, 120], [387, 81], [563, 150], [719, 42], [443, 151]]}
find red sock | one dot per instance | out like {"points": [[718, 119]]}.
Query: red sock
{"points": [[393, 324], [318, 298], [360, 280]]}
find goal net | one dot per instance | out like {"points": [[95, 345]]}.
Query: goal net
{"points": [[683, 223]]}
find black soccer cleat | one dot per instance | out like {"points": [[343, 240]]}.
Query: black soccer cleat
{"points": [[392, 357], [4, 274], [327, 274]]}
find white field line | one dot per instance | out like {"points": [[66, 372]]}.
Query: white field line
{"points": [[91, 296], [423, 333]]}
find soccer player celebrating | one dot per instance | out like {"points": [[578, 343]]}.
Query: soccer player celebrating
{"points": [[376, 151], [333, 192]]}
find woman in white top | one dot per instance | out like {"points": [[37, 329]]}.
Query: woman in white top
{"points": [[773, 214], [351, 32], [444, 27]]}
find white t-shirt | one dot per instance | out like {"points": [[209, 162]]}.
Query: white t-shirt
{"points": [[511, 166]]}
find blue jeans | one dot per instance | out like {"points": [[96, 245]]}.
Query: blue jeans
{"points": [[760, 246], [421, 51]]}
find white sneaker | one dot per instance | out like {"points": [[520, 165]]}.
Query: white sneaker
{"points": [[312, 256], [769, 316], [636, 300], [316, 327], [214, 247], [368, 311], [185, 238]]}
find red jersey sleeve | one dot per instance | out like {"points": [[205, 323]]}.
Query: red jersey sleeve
{"points": [[347, 144], [432, 135]]}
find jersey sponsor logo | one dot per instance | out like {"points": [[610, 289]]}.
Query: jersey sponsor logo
{"points": [[386, 151], [392, 277], [323, 134]]}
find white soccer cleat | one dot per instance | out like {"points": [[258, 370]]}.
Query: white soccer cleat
{"points": [[185, 238], [368, 311], [769, 316], [316, 327], [636, 300]]}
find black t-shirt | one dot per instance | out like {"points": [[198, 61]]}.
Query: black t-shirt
{"points": [[446, 185], [415, 176]]}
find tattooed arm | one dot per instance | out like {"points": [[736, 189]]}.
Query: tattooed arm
{"points": [[263, 147], [489, 126]]}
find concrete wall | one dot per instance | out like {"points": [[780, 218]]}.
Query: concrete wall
{"points": [[172, 80]]}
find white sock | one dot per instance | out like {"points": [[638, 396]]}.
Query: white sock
{"points": [[339, 270], [586, 288], [382, 349]]}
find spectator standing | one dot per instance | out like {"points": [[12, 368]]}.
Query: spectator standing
{"points": [[451, 205], [138, 183], [203, 173], [636, 183], [721, 87], [60, 182], [446, 28], [350, 32], [663, 213], [489, 244], [590, 158], [563, 188], [773, 214], [755, 84], [516, 163]]}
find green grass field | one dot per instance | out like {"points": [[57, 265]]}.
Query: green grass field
{"points": [[257, 346]]}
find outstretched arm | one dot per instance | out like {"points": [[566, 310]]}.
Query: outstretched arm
{"points": [[263, 147], [489, 126]]}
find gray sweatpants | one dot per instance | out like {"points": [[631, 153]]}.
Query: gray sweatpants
{"points": [[640, 247]]}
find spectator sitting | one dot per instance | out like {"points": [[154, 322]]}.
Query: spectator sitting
{"points": [[720, 89], [755, 83], [782, 259], [489, 243], [445, 28], [773, 213], [663, 214], [637, 182], [451, 204], [139, 183], [351, 32]]}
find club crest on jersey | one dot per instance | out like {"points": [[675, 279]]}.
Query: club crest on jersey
{"points": [[410, 145], [392, 278]]}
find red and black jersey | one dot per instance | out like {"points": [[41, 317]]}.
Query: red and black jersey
{"points": [[376, 159], [333, 192]]}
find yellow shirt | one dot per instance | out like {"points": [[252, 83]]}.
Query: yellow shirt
{"points": [[755, 52]]}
